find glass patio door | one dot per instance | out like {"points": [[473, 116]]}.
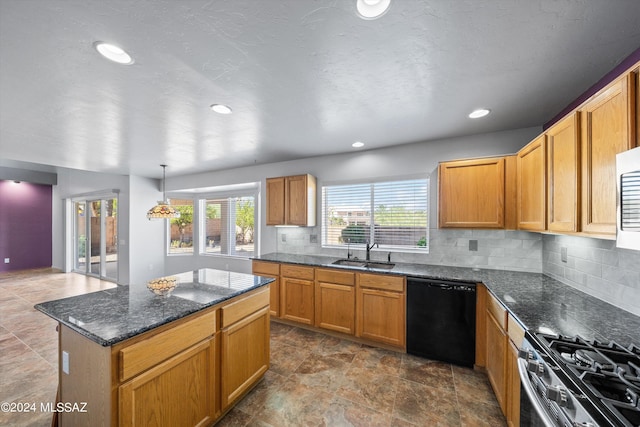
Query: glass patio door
{"points": [[96, 238]]}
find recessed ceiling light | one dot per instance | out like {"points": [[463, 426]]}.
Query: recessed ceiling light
{"points": [[221, 109], [357, 144], [481, 112], [372, 9], [113, 53]]}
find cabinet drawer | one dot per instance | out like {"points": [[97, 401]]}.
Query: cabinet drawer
{"points": [[382, 281], [515, 331], [261, 267], [151, 351], [497, 310], [296, 271], [335, 276], [237, 310]]}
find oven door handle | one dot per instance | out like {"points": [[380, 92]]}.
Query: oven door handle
{"points": [[533, 398]]}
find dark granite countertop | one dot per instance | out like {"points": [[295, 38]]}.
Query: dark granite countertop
{"points": [[539, 302], [113, 315]]}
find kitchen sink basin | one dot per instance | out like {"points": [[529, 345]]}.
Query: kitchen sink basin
{"points": [[364, 264], [381, 265], [350, 263]]}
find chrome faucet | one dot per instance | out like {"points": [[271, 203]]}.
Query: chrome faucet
{"points": [[369, 249]]}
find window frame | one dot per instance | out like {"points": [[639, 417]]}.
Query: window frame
{"points": [[194, 229], [227, 194], [200, 197], [371, 209]]}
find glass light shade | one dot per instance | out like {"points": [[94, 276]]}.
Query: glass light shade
{"points": [[163, 211]]}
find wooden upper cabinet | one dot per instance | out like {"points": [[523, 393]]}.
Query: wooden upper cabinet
{"points": [[275, 201], [291, 200], [563, 175], [474, 193], [607, 128], [531, 186]]}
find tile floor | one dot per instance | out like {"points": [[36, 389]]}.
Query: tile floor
{"points": [[314, 380]]}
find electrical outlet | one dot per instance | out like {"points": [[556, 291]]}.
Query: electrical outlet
{"points": [[283, 237], [65, 362], [563, 254], [473, 245], [6, 260], [313, 238]]}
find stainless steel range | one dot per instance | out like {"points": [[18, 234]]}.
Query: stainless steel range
{"points": [[571, 382]]}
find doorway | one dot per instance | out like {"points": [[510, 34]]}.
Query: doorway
{"points": [[96, 237]]}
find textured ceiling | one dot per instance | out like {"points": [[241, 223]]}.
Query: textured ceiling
{"points": [[304, 77]]}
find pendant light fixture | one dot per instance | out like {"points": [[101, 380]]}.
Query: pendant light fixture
{"points": [[163, 210]]}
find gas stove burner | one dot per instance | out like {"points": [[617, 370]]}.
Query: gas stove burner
{"points": [[593, 360]]}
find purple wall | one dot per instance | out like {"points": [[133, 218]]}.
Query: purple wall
{"points": [[623, 66], [25, 225]]}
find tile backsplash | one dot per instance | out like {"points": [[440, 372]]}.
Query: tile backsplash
{"points": [[595, 267], [494, 249]]}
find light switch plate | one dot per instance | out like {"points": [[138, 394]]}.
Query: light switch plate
{"points": [[473, 245], [6, 260], [563, 254]]}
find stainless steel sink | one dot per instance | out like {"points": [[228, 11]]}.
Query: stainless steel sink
{"points": [[380, 265], [350, 263], [364, 264]]}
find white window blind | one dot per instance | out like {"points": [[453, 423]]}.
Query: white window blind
{"points": [[392, 214]]}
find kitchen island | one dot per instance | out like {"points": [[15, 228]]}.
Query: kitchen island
{"points": [[128, 356]]}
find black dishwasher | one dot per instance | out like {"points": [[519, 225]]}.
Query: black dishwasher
{"points": [[441, 320]]}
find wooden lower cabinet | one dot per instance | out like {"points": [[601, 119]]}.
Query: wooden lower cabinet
{"points": [[335, 300], [500, 339], [244, 355], [297, 293], [513, 386], [381, 309], [177, 392]]}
